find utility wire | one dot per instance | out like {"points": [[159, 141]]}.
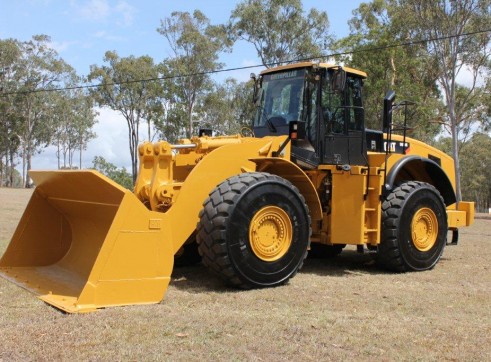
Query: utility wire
{"points": [[370, 49]]}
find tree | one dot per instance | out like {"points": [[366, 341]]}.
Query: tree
{"points": [[118, 175], [280, 30], [228, 107], [375, 28], [122, 89], [13, 178], [39, 70], [445, 23], [476, 168], [74, 120], [10, 55], [33, 109], [195, 45]]}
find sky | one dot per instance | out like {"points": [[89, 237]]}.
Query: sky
{"points": [[82, 31]]}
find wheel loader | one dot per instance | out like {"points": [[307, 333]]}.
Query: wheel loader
{"points": [[307, 175]]}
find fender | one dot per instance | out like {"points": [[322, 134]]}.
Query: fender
{"points": [[417, 168], [291, 172]]}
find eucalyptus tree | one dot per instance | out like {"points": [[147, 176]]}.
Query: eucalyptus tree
{"points": [[376, 30], [195, 45], [119, 175], [129, 86], [446, 55], [457, 38], [39, 71], [475, 160], [228, 108], [280, 30], [476, 170], [10, 54], [75, 118]]}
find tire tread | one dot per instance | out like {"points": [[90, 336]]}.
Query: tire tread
{"points": [[389, 254], [211, 229]]}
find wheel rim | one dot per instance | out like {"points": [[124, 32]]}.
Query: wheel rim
{"points": [[424, 229], [270, 233]]}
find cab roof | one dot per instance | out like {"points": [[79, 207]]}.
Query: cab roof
{"points": [[312, 64]]}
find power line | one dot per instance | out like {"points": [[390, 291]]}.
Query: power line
{"points": [[370, 49]]}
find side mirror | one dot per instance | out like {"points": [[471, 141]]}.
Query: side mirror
{"points": [[338, 81], [296, 130], [387, 115]]}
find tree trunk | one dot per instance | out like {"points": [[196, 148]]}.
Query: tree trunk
{"points": [[58, 154], [11, 170], [190, 117], [3, 169], [133, 144], [28, 168], [393, 78], [70, 157], [24, 150], [455, 154]]}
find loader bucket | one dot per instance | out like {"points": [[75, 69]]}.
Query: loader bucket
{"points": [[84, 242]]}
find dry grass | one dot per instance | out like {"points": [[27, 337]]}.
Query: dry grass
{"points": [[342, 309]]}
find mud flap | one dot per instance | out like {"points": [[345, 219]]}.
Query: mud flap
{"points": [[84, 242]]}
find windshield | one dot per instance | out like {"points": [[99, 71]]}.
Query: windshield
{"points": [[281, 98]]}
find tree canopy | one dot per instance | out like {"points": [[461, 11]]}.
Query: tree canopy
{"points": [[195, 45], [280, 30], [30, 112], [433, 53], [122, 89]]}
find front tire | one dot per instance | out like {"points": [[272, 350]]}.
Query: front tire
{"points": [[414, 228], [254, 230]]}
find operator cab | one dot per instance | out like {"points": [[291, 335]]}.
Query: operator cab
{"points": [[327, 99]]}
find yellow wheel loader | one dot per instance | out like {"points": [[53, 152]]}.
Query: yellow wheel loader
{"points": [[311, 177]]}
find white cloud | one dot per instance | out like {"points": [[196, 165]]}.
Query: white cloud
{"points": [[102, 34], [94, 10], [126, 11], [60, 47], [112, 139], [101, 10]]}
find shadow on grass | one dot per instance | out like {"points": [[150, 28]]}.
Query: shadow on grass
{"points": [[197, 278], [349, 262]]}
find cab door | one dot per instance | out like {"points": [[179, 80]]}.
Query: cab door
{"points": [[343, 116]]}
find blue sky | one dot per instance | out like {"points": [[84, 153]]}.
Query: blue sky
{"points": [[83, 30]]}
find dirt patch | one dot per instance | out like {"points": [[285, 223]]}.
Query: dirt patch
{"points": [[339, 309]]}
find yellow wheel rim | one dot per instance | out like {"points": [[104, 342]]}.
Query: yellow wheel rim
{"points": [[270, 233], [424, 229]]}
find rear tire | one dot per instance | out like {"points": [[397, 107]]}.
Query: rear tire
{"points": [[414, 228], [254, 230]]}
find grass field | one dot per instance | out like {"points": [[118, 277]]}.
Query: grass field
{"points": [[338, 309]]}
